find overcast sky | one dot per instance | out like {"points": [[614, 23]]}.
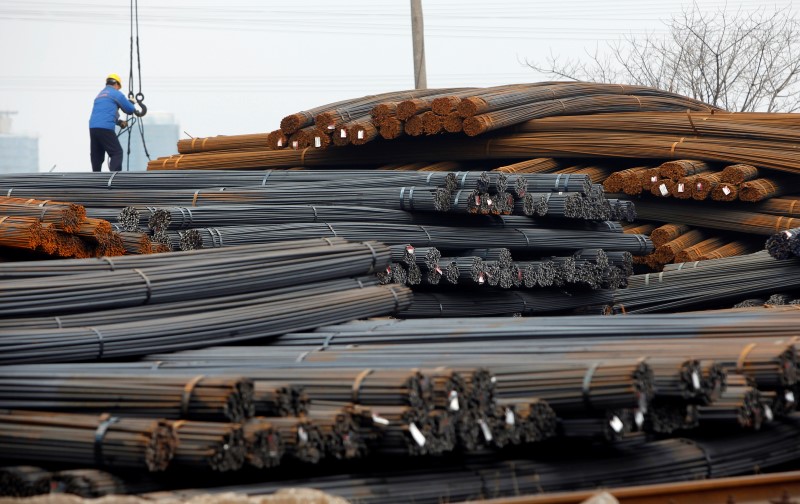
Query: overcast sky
{"points": [[225, 68]]}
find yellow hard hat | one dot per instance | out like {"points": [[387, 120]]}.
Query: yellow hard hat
{"points": [[115, 77]]}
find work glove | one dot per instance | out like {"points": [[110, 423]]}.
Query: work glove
{"points": [[122, 123]]}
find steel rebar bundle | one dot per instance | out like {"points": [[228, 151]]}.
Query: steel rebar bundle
{"points": [[211, 398], [24, 481], [180, 280], [87, 440], [209, 445]]}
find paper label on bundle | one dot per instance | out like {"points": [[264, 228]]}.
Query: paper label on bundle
{"points": [[768, 413], [343, 133], [726, 190], [331, 126], [317, 142], [789, 396], [695, 380], [302, 435], [410, 249], [616, 424], [453, 404], [379, 420], [663, 189], [699, 186], [438, 270], [280, 142], [510, 418], [360, 134], [680, 187], [487, 434], [654, 179], [638, 417], [416, 434], [295, 145], [481, 279]]}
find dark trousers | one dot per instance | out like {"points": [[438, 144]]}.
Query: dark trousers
{"points": [[102, 141]]}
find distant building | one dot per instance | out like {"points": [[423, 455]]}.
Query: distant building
{"points": [[161, 134], [18, 153]]}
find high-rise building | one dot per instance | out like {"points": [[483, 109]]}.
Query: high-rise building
{"points": [[18, 153], [161, 134]]}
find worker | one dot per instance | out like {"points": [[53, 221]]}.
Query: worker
{"points": [[105, 116]]}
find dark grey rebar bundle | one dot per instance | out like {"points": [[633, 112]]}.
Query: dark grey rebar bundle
{"points": [[260, 320], [263, 442], [185, 279], [212, 398], [87, 440], [215, 446], [541, 240], [24, 481]]}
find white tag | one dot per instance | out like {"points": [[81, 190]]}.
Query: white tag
{"points": [[768, 413], [481, 279], [695, 380], [663, 189], [654, 179], [410, 249], [280, 142], [726, 190], [295, 145], [438, 269], [680, 187], [302, 435], [494, 379], [379, 420], [487, 434], [616, 424], [510, 417], [317, 142], [453, 404], [331, 126], [360, 134], [489, 201], [699, 186], [789, 396], [416, 434], [638, 417], [343, 133]]}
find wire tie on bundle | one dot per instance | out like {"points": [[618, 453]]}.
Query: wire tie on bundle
{"points": [[527, 240], [640, 102], [186, 395], [302, 356], [396, 299], [428, 178], [156, 365], [411, 198], [9, 192], [430, 241], [742, 356], [374, 256], [332, 230], [266, 176], [587, 385], [100, 342], [303, 156], [314, 209], [219, 235], [194, 199], [357, 384], [4, 218], [194, 139], [109, 261], [463, 178], [458, 195], [178, 161], [402, 202], [691, 121], [675, 144], [328, 339], [99, 434], [147, 283], [328, 241], [562, 105], [164, 164], [178, 424], [58, 321], [184, 211], [111, 179]]}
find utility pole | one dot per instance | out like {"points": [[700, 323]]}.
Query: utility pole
{"points": [[418, 36]]}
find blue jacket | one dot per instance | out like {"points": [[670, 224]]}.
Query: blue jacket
{"points": [[106, 108]]}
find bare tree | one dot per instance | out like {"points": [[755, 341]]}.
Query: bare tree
{"points": [[741, 62]]}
